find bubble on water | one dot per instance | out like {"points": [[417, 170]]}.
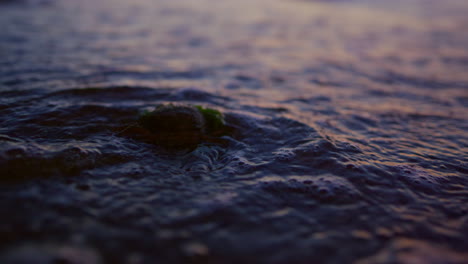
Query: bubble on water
{"points": [[333, 188], [419, 178], [284, 154], [318, 148], [240, 163], [325, 188]]}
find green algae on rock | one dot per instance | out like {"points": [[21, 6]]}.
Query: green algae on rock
{"points": [[214, 120]]}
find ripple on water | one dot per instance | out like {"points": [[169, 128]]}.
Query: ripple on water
{"points": [[420, 179], [324, 188], [24, 160], [109, 94]]}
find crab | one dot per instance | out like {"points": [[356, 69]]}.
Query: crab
{"points": [[174, 126]]}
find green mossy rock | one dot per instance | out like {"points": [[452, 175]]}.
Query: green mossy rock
{"points": [[182, 126], [173, 118]]}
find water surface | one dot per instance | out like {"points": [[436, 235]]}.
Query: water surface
{"points": [[350, 143]]}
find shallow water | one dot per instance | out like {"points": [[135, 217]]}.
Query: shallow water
{"points": [[350, 143]]}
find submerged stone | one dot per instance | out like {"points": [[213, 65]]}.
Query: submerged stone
{"points": [[181, 126], [173, 119]]}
